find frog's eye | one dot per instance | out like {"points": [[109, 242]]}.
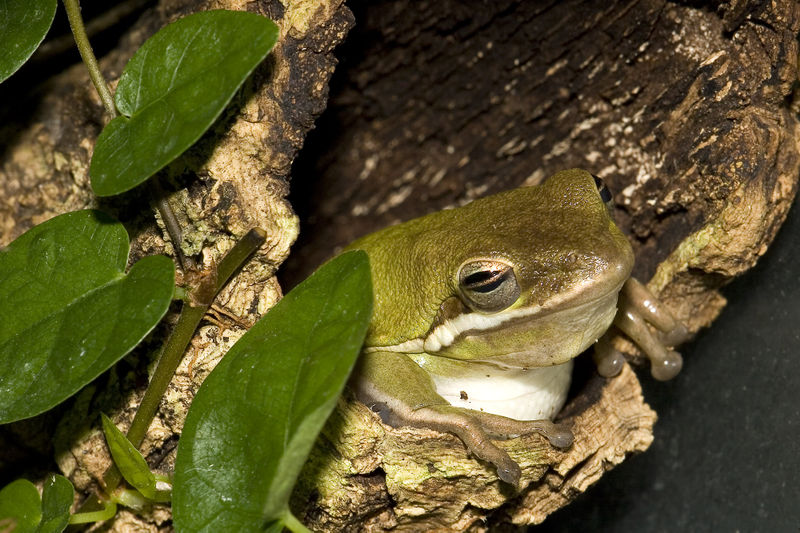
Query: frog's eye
{"points": [[605, 193], [488, 286]]}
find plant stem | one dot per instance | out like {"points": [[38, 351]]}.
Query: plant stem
{"points": [[108, 511], [237, 255], [292, 523], [123, 9], [170, 359], [73, 9], [173, 351]]}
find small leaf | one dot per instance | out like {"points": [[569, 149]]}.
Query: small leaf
{"points": [[56, 500], [173, 88], [20, 507], [130, 462], [22, 511], [255, 419], [68, 311], [23, 25]]}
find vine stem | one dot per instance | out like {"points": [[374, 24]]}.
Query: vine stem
{"points": [[61, 44], [200, 299], [73, 9], [293, 524]]}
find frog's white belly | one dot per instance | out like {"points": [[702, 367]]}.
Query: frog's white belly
{"points": [[532, 394]]}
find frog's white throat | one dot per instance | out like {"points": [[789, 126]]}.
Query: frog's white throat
{"points": [[522, 394]]}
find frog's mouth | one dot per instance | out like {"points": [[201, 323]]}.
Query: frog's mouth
{"points": [[539, 335], [567, 307]]}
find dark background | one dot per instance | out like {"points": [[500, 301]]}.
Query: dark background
{"points": [[726, 455]]}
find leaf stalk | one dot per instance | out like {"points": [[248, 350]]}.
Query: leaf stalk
{"points": [[293, 524], [73, 9]]}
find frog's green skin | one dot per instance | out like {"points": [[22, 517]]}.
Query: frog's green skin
{"points": [[480, 310]]}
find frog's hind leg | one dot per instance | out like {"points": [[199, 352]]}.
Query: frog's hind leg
{"points": [[393, 385]]}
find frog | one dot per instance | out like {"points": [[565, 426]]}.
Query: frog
{"points": [[479, 312]]}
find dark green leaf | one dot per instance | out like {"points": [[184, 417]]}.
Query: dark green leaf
{"points": [[130, 462], [254, 420], [20, 507], [68, 311], [23, 25], [56, 501], [173, 89]]}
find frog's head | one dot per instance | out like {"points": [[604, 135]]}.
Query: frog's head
{"points": [[528, 277]]}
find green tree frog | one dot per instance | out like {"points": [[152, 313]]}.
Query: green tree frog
{"points": [[480, 310]]}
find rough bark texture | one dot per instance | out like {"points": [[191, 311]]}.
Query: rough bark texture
{"points": [[682, 108]]}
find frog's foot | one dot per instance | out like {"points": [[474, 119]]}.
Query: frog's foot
{"points": [[638, 309], [475, 427]]}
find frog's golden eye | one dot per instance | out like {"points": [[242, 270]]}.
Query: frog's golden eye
{"points": [[605, 193], [487, 286]]}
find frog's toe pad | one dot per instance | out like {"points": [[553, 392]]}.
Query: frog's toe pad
{"points": [[510, 473], [560, 436], [668, 367], [610, 364]]}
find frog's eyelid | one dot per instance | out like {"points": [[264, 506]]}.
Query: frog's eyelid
{"points": [[486, 280], [488, 286]]}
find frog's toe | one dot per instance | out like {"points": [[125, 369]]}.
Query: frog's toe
{"points": [[667, 367], [560, 436], [608, 359], [509, 472], [611, 364]]}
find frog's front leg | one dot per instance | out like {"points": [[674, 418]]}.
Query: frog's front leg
{"points": [[393, 385], [638, 307]]}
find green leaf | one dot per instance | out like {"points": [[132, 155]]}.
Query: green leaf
{"points": [[130, 462], [255, 419], [173, 89], [22, 511], [56, 500], [20, 507], [68, 311], [23, 25]]}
